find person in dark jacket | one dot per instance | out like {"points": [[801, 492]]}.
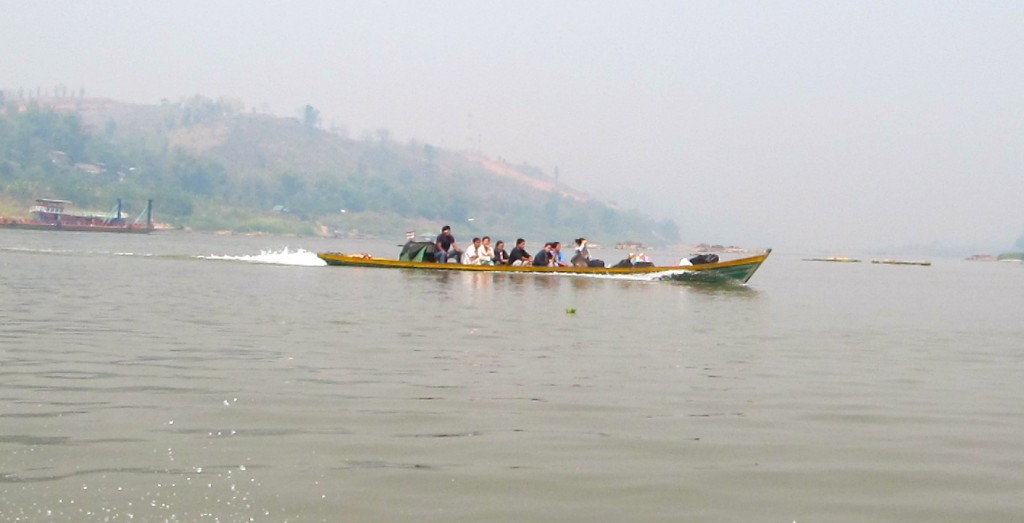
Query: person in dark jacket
{"points": [[500, 256], [545, 257], [446, 246], [519, 256]]}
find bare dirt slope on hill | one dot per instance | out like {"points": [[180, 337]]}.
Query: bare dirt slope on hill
{"points": [[505, 170]]}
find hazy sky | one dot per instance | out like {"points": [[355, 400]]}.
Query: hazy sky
{"points": [[829, 125]]}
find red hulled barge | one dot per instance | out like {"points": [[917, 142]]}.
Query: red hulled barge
{"points": [[53, 215]]}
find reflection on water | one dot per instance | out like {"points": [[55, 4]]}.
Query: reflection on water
{"points": [[479, 281], [719, 289]]}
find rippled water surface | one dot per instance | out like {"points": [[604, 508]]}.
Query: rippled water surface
{"points": [[189, 377]]}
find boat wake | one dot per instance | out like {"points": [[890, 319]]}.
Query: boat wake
{"points": [[28, 250], [681, 275], [301, 258], [653, 276]]}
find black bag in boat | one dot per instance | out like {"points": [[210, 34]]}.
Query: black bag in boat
{"points": [[703, 259], [626, 264], [418, 252]]}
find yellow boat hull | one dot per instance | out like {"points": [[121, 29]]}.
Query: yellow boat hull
{"points": [[739, 270]]}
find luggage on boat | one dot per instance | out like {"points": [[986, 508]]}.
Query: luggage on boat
{"points": [[418, 252], [623, 264], [703, 259], [629, 263]]}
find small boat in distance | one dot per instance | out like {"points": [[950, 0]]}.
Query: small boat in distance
{"points": [[631, 246], [840, 259], [52, 215], [922, 263], [982, 257], [737, 271]]}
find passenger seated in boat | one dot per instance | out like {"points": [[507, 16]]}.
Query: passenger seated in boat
{"points": [[472, 254], [557, 258], [519, 256], [500, 256], [581, 258], [545, 257], [446, 246], [485, 252]]}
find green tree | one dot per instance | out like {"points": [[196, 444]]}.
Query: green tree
{"points": [[110, 128], [430, 153], [551, 207], [253, 191], [291, 185], [311, 117], [458, 208], [68, 136], [202, 177]]}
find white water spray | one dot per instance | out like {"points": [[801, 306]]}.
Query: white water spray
{"points": [[301, 257]]}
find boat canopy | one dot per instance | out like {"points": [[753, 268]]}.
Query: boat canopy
{"points": [[418, 252]]}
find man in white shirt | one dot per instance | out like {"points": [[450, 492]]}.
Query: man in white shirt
{"points": [[472, 254]]}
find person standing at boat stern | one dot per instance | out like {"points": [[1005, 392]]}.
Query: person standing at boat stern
{"points": [[446, 246]]}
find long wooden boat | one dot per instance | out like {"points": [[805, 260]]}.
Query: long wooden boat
{"points": [[739, 270]]}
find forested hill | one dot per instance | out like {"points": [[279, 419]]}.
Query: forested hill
{"points": [[209, 165]]}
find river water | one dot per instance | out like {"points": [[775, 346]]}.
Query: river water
{"points": [[192, 377]]}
